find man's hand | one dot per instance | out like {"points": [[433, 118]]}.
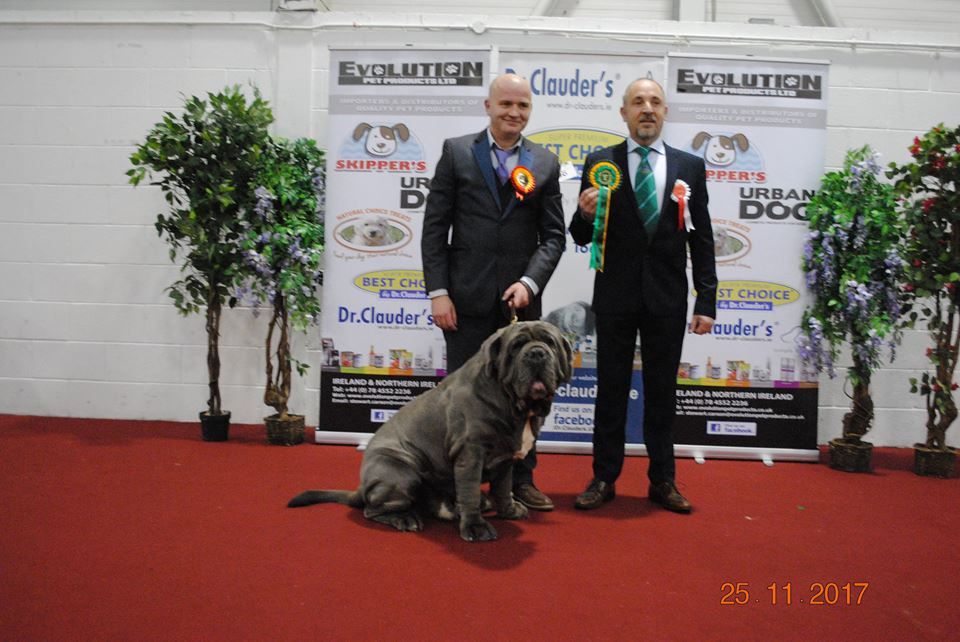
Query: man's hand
{"points": [[444, 312], [700, 324], [517, 296], [588, 203]]}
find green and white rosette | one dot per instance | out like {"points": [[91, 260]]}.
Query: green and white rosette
{"points": [[606, 177]]}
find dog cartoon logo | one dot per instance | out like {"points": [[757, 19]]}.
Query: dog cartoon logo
{"points": [[730, 157], [373, 230], [381, 147], [382, 139], [721, 150]]}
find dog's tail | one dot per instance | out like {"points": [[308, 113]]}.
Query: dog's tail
{"points": [[310, 497]]}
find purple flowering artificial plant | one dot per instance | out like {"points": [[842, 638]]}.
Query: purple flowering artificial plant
{"points": [[282, 247], [853, 265]]}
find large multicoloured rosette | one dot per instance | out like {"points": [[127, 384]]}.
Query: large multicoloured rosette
{"points": [[606, 177]]}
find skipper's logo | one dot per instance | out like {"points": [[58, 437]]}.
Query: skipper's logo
{"points": [[384, 147], [730, 157]]}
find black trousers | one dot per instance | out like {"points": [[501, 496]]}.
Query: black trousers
{"points": [[464, 343], [661, 342]]}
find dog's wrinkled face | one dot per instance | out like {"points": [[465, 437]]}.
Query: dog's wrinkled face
{"points": [[530, 360]]}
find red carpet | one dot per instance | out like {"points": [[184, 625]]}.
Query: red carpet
{"points": [[123, 530]]}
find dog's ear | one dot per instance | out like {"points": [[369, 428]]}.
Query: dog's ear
{"points": [[700, 139], [360, 130], [566, 367], [741, 142], [491, 352], [402, 132], [562, 349]]}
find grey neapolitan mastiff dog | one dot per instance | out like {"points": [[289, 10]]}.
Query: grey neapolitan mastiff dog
{"points": [[433, 455]]}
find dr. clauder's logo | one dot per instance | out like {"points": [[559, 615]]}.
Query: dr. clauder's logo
{"points": [[383, 147]]}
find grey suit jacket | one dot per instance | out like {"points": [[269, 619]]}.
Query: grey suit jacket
{"points": [[492, 244]]}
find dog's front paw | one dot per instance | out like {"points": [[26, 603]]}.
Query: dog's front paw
{"points": [[515, 510], [477, 530]]}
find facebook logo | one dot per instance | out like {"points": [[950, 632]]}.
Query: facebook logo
{"points": [[738, 428], [380, 415]]}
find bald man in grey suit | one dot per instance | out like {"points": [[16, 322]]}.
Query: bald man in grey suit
{"points": [[502, 249]]}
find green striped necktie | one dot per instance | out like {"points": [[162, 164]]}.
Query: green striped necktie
{"points": [[645, 189]]}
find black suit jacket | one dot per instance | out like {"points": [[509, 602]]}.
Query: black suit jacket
{"points": [[649, 275], [492, 244]]}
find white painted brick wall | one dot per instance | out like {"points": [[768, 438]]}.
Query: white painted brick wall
{"points": [[86, 328]]}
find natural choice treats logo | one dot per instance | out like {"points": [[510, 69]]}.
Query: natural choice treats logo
{"points": [[451, 73], [381, 147], [730, 157], [731, 241], [373, 230], [786, 85]]}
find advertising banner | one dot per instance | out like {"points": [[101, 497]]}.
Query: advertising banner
{"points": [[390, 111], [760, 126], [576, 110]]}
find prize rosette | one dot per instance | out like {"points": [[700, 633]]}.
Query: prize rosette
{"points": [[523, 181], [606, 177], [681, 196]]}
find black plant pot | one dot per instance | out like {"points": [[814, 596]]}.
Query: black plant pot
{"points": [[214, 427]]}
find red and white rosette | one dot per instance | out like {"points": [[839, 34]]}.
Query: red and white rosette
{"points": [[681, 196]]}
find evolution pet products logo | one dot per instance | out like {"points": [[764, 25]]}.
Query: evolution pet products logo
{"points": [[787, 85], [458, 73]]}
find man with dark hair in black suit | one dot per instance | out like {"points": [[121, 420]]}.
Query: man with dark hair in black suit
{"points": [[658, 211], [493, 233]]}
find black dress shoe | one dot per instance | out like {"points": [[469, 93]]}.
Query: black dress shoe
{"points": [[531, 497], [667, 495], [597, 493]]}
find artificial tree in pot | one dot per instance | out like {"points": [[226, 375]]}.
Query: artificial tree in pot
{"points": [[929, 186], [204, 160], [282, 249], [853, 265]]}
